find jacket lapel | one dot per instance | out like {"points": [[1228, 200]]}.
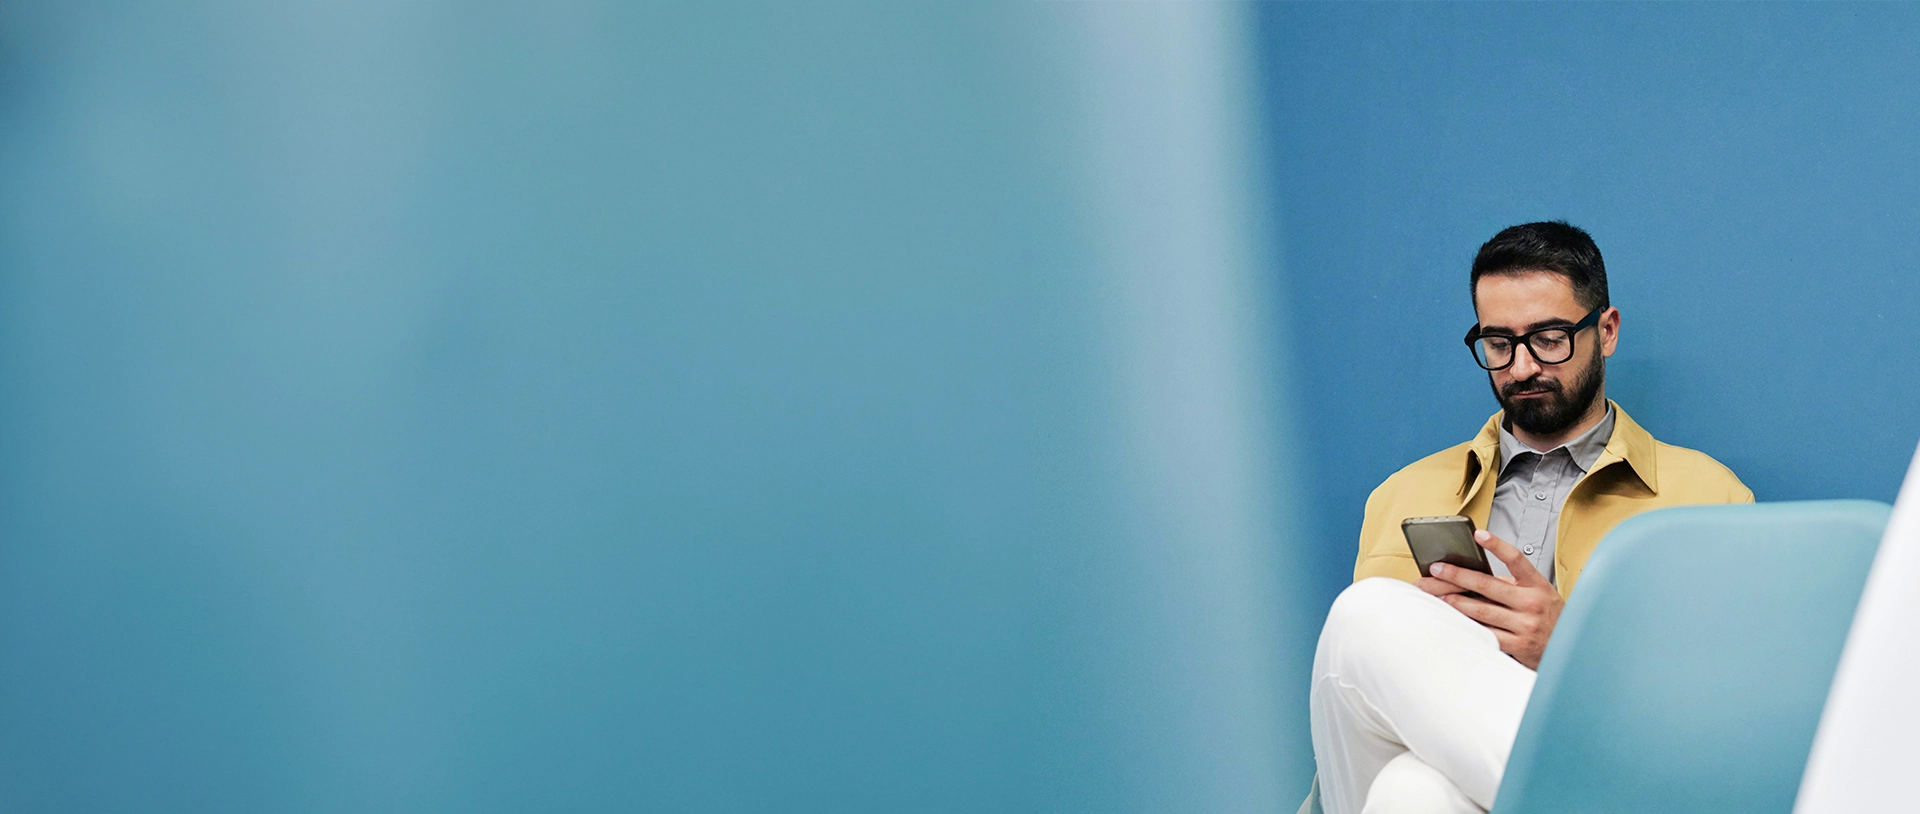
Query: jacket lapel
{"points": [[1631, 445], [1481, 465]]}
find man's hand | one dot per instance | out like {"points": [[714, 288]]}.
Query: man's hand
{"points": [[1521, 612]]}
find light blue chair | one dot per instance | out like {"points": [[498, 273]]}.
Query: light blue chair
{"points": [[1689, 670]]}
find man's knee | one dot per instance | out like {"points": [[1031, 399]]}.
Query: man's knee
{"points": [[1370, 607], [1374, 618], [1407, 785]]}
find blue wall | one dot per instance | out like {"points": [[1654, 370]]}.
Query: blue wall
{"points": [[599, 406], [1749, 171], [575, 406]]}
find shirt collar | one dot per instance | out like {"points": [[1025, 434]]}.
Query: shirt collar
{"points": [[1584, 450], [1630, 444]]}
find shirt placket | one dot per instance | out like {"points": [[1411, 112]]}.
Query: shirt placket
{"points": [[1538, 516]]}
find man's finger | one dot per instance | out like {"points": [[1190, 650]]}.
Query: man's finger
{"points": [[1517, 563], [1509, 642], [1487, 585], [1438, 587], [1487, 613]]}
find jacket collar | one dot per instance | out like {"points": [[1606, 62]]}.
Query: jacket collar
{"points": [[1630, 443]]}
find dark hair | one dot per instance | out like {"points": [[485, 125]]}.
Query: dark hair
{"points": [[1555, 246]]}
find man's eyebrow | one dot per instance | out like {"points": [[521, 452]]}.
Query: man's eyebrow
{"points": [[1555, 322]]}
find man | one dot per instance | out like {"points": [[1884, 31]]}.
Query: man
{"points": [[1418, 687]]}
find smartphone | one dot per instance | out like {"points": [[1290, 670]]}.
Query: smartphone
{"points": [[1444, 539]]}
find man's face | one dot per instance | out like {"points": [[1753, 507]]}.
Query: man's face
{"points": [[1544, 399]]}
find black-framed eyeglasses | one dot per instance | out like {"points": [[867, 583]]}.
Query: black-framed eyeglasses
{"points": [[1549, 346]]}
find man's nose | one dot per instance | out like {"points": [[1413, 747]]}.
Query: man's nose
{"points": [[1524, 365]]}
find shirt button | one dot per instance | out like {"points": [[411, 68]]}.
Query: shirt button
{"points": [[1529, 549], [1539, 495]]}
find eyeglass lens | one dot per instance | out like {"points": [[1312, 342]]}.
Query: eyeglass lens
{"points": [[1549, 347]]}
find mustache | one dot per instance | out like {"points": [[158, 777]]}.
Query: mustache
{"points": [[1537, 384]]}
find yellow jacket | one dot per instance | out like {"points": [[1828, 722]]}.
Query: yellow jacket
{"points": [[1634, 474]]}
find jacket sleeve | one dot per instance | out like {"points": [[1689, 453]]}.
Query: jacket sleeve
{"points": [[1737, 492], [1382, 551], [1367, 524]]}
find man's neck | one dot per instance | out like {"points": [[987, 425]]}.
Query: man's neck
{"points": [[1542, 443]]}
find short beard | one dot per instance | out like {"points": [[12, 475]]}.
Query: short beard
{"points": [[1556, 411]]}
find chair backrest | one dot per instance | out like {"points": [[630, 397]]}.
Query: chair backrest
{"points": [[1864, 754], [1687, 673]]}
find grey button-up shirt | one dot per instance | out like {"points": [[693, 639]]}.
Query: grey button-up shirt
{"points": [[1533, 486]]}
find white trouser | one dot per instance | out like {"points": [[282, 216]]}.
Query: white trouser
{"points": [[1414, 706]]}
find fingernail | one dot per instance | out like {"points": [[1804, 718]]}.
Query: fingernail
{"points": [[1437, 568], [1482, 535]]}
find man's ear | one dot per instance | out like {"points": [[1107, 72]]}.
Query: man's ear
{"points": [[1609, 331]]}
